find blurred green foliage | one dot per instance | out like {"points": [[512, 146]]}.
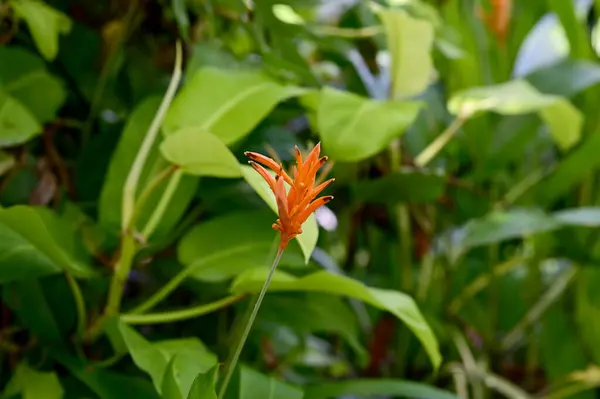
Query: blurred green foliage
{"points": [[458, 259]]}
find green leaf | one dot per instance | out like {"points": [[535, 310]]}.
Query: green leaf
{"points": [[584, 216], [249, 244], [189, 357], [315, 313], [105, 384], [499, 226], [40, 236], [406, 185], [200, 153], [45, 23], [310, 230], [25, 77], [122, 159], [566, 78], [33, 384], [574, 168], [372, 387], [399, 304], [519, 97], [410, 42], [28, 301], [17, 123], [204, 385], [353, 128], [7, 161], [254, 385], [170, 384], [120, 164], [228, 103], [587, 308], [181, 15]]}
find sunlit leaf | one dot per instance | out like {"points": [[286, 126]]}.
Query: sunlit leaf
{"points": [[33, 384], [17, 123], [200, 153], [188, 356], [25, 77], [410, 42], [228, 103], [204, 385], [45, 23], [353, 128], [519, 97]]}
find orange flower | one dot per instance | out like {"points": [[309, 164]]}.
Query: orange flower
{"points": [[299, 202]]}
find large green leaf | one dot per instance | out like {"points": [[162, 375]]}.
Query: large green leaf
{"points": [[372, 387], [39, 238], [519, 97], [315, 313], [587, 308], [200, 153], [406, 185], [499, 226], [204, 385], [310, 230], [45, 23], [566, 78], [249, 244], [353, 128], [33, 384], [28, 301], [17, 123], [228, 103], [25, 77], [410, 43], [122, 159], [120, 164], [104, 383], [189, 357], [400, 305], [254, 385]]}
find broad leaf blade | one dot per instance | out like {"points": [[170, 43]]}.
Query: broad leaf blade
{"points": [[400, 305]]}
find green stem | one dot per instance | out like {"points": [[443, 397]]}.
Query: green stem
{"points": [[148, 190], [440, 142], [238, 350], [79, 304], [177, 315], [180, 277], [160, 209], [132, 181], [123, 266], [403, 216]]}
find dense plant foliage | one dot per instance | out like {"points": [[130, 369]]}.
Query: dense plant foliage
{"points": [[458, 258]]}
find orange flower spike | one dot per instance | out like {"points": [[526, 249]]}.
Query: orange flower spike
{"points": [[269, 163], [299, 203]]}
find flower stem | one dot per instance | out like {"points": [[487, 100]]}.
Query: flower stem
{"points": [[238, 350], [177, 315]]}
